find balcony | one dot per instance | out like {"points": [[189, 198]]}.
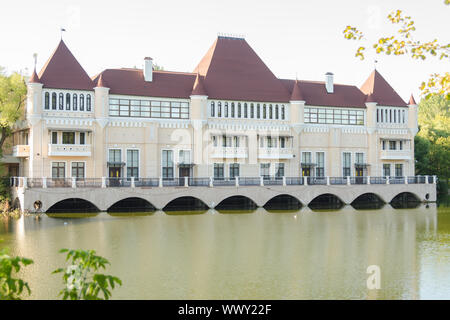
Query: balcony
{"points": [[21, 151], [275, 153], [229, 152], [69, 150], [396, 155]]}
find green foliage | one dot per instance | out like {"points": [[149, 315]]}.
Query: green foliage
{"points": [[432, 143], [13, 93], [80, 281], [403, 43], [11, 288]]}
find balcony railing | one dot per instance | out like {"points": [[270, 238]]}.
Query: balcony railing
{"points": [[132, 182], [275, 153], [396, 155], [72, 150], [21, 150], [229, 152]]}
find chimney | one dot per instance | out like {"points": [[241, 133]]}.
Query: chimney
{"points": [[329, 82], [148, 69]]}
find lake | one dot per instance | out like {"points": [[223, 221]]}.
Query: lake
{"points": [[301, 254]]}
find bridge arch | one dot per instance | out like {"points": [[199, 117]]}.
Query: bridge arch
{"points": [[72, 205], [368, 200], [236, 202], [404, 200], [130, 204], [326, 201], [283, 202], [186, 203]]}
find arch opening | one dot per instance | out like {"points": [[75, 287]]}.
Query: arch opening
{"points": [[186, 204], [283, 202], [405, 200], [73, 205], [326, 201], [16, 204], [236, 203], [132, 204], [368, 201]]}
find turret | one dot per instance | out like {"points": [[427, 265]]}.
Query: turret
{"points": [[412, 115], [199, 98], [371, 111], [297, 102], [34, 96], [101, 98]]}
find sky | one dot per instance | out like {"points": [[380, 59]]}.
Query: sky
{"points": [[296, 39]]}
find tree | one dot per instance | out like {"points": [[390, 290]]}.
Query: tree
{"points": [[13, 93], [404, 43], [80, 283], [11, 288]]}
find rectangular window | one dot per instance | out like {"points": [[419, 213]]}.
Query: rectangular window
{"points": [[282, 142], [234, 170], [54, 137], [78, 170], [68, 137], [214, 139], [359, 158], [320, 165], [392, 145], [115, 155], [265, 170], [306, 157], [236, 141], [279, 170], [400, 145], [347, 163], [167, 164], [184, 156], [82, 138], [58, 169], [133, 163], [386, 169], [383, 144], [218, 171], [399, 170]]}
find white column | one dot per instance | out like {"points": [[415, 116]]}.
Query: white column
{"points": [[186, 182], [237, 181], [305, 179], [132, 182], [328, 181], [103, 182], [434, 180], [406, 179], [44, 182], [426, 179], [284, 181], [160, 182], [387, 180], [25, 182], [348, 180], [74, 182], [261, 181], [211, 182], [368, 179]]}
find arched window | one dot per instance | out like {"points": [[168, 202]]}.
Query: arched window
{"points": [[47, 101], [390, 116], [61, 101], [404, 116], [378, 115], [232, 109], [213, 109], [245, 111], [81, 102], [226, 110], [219, 109], [283, 116], [270, 112], [239, 110], [264, 112], [252, 111], [88, 102], [67, 101], [276, 112], [75, 102], [53, 101], [258, 111]]}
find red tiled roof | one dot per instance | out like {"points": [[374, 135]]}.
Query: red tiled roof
{"points": [[315, 94], [165, 84], [381, 91], [63, 71], [199, 88], [297, 93], [100, 82], [34, 77], [233, 71], [411, 100]]}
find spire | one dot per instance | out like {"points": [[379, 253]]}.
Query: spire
{"points": [[381, 91], [412, 101], [34, 77], [62, 70], [297, 93], [199, 88], [101, 82]]}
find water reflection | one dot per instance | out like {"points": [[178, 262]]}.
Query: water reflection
{"points": [[301, 254]]}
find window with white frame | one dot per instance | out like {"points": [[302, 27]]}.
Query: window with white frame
{"points": [[58, 170], [346, 164], [279, 170], [218, 171], [265, 170], [78, 170], [184, 156], [234, 170], [320, 164], [133, 163], [167, 164]]}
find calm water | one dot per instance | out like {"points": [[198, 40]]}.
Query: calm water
{"points": [[259, 255]]}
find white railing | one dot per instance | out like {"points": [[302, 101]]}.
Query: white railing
{"points": [[77, 150], [21, 150], [396, 155], [275, 153], [229, 152]]}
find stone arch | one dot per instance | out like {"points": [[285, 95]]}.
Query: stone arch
{"points": [[326, 201], [236, 202], [131, 204], [404, 200], [72, 205], [186, 203], [283, 202], [368, 200]]}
